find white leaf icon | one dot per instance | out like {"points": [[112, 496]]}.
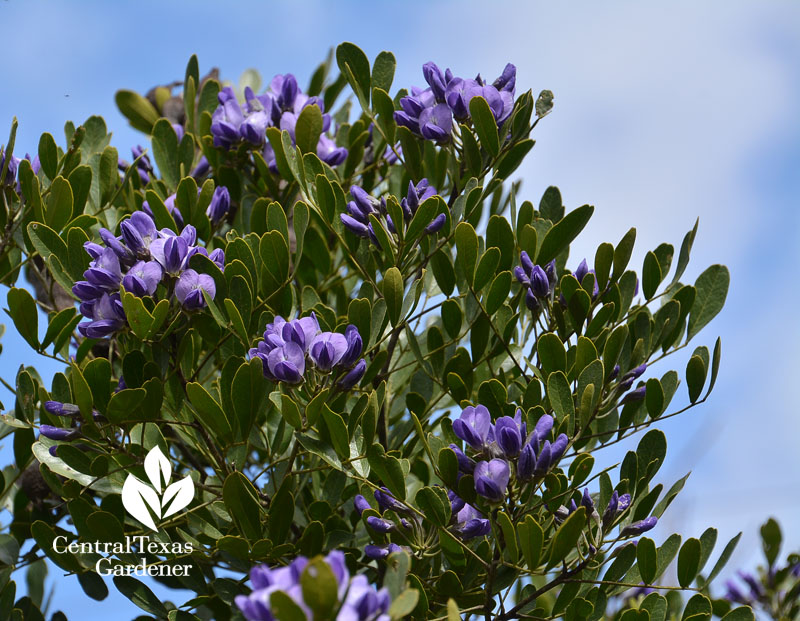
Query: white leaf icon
{"points": [[155, 464], [183, 491], [134, 495]]}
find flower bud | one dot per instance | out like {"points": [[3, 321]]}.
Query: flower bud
{"points": [[380, 525], [58, 433], [637, 528]]}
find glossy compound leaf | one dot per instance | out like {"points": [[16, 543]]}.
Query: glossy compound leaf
{"points": [[140, 595], [139, 111], [485, 125], [22, 309], [165, 152], [683, 255], [393, 293], [404, 604], [319, 585], [48, 155], [354, 65], [509, 536], [208, 411], [646, 559], [712, 289], [695, 377], [241, 500], [308, 129], [566, 537], [563, 232], [651, 275], [689, 561], [383, 71], [560, 394], [740, 613], [467, 250], [531, 540], [723, 558], [771, 538]]}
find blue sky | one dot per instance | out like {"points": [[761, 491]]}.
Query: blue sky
{"points": [[663, 112]]}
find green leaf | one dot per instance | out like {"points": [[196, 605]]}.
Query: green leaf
{"points": [[667, 552], [651, 275], [567, 535], [561, 235], [531, 539], [48, 155], [487, 266], [354, 65], [59, 203], [654, 397], [740, 613], [485, 125], [208, 411], [683, 256], [443, 272], [241, 500], [622, 253], [22, 309], [393, 293], [140, 595], [319, 585], [383, 71], [509, 536], [338, 432], [712, 289], [165, 152], [646, 559], [695, 377], [560, 394], [308, 129], [467, 250], [552, 356], [435, 506], [139, 111], [498, 292], [285, 608], [404, 604], [771, 540], [723, 558], [689, 561]]}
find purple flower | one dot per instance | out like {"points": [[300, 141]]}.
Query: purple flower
{"points": [[436, 224], [172, 252], [327, 349], [286, 363], [143, 278], [586, 501], [220, 204], [218, 258], [202, 168], [465, 464], [138, 232], [107, 315], [471, 523], [491, 479], [552, 276], [526, 464], [226, 119], [631, 376], [507, 80], [581, 271], [387, 502], [86, 291], [364, 603], [11, 172], [61, 409], [543, 427], [474, 426], [378, 552], [557, 448], [361, 504], [329, 153], [508, 436], [353, 376], [531, 301], [611, 510], [380, 525], [58, 433], [540, 284], [190, 286], [436, 123], [104, 271], [637, 528], [354, 226], [543, 460], [435, 79], [734, 594], [355, 346], [456, 502], [416, 195], [634, 396]]}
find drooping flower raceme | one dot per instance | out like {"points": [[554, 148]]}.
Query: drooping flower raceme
{"points": [[358, 599], [290, 347], [539, 282]]}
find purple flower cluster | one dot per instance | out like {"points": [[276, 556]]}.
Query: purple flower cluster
{"points": [[497, 445], [468, 521], [289, 345], [216, 211], [383, 524], [63, 434], [233, 123], [430, 112], [358, 599], [356, 220], [539, 282], [139, 260]]}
